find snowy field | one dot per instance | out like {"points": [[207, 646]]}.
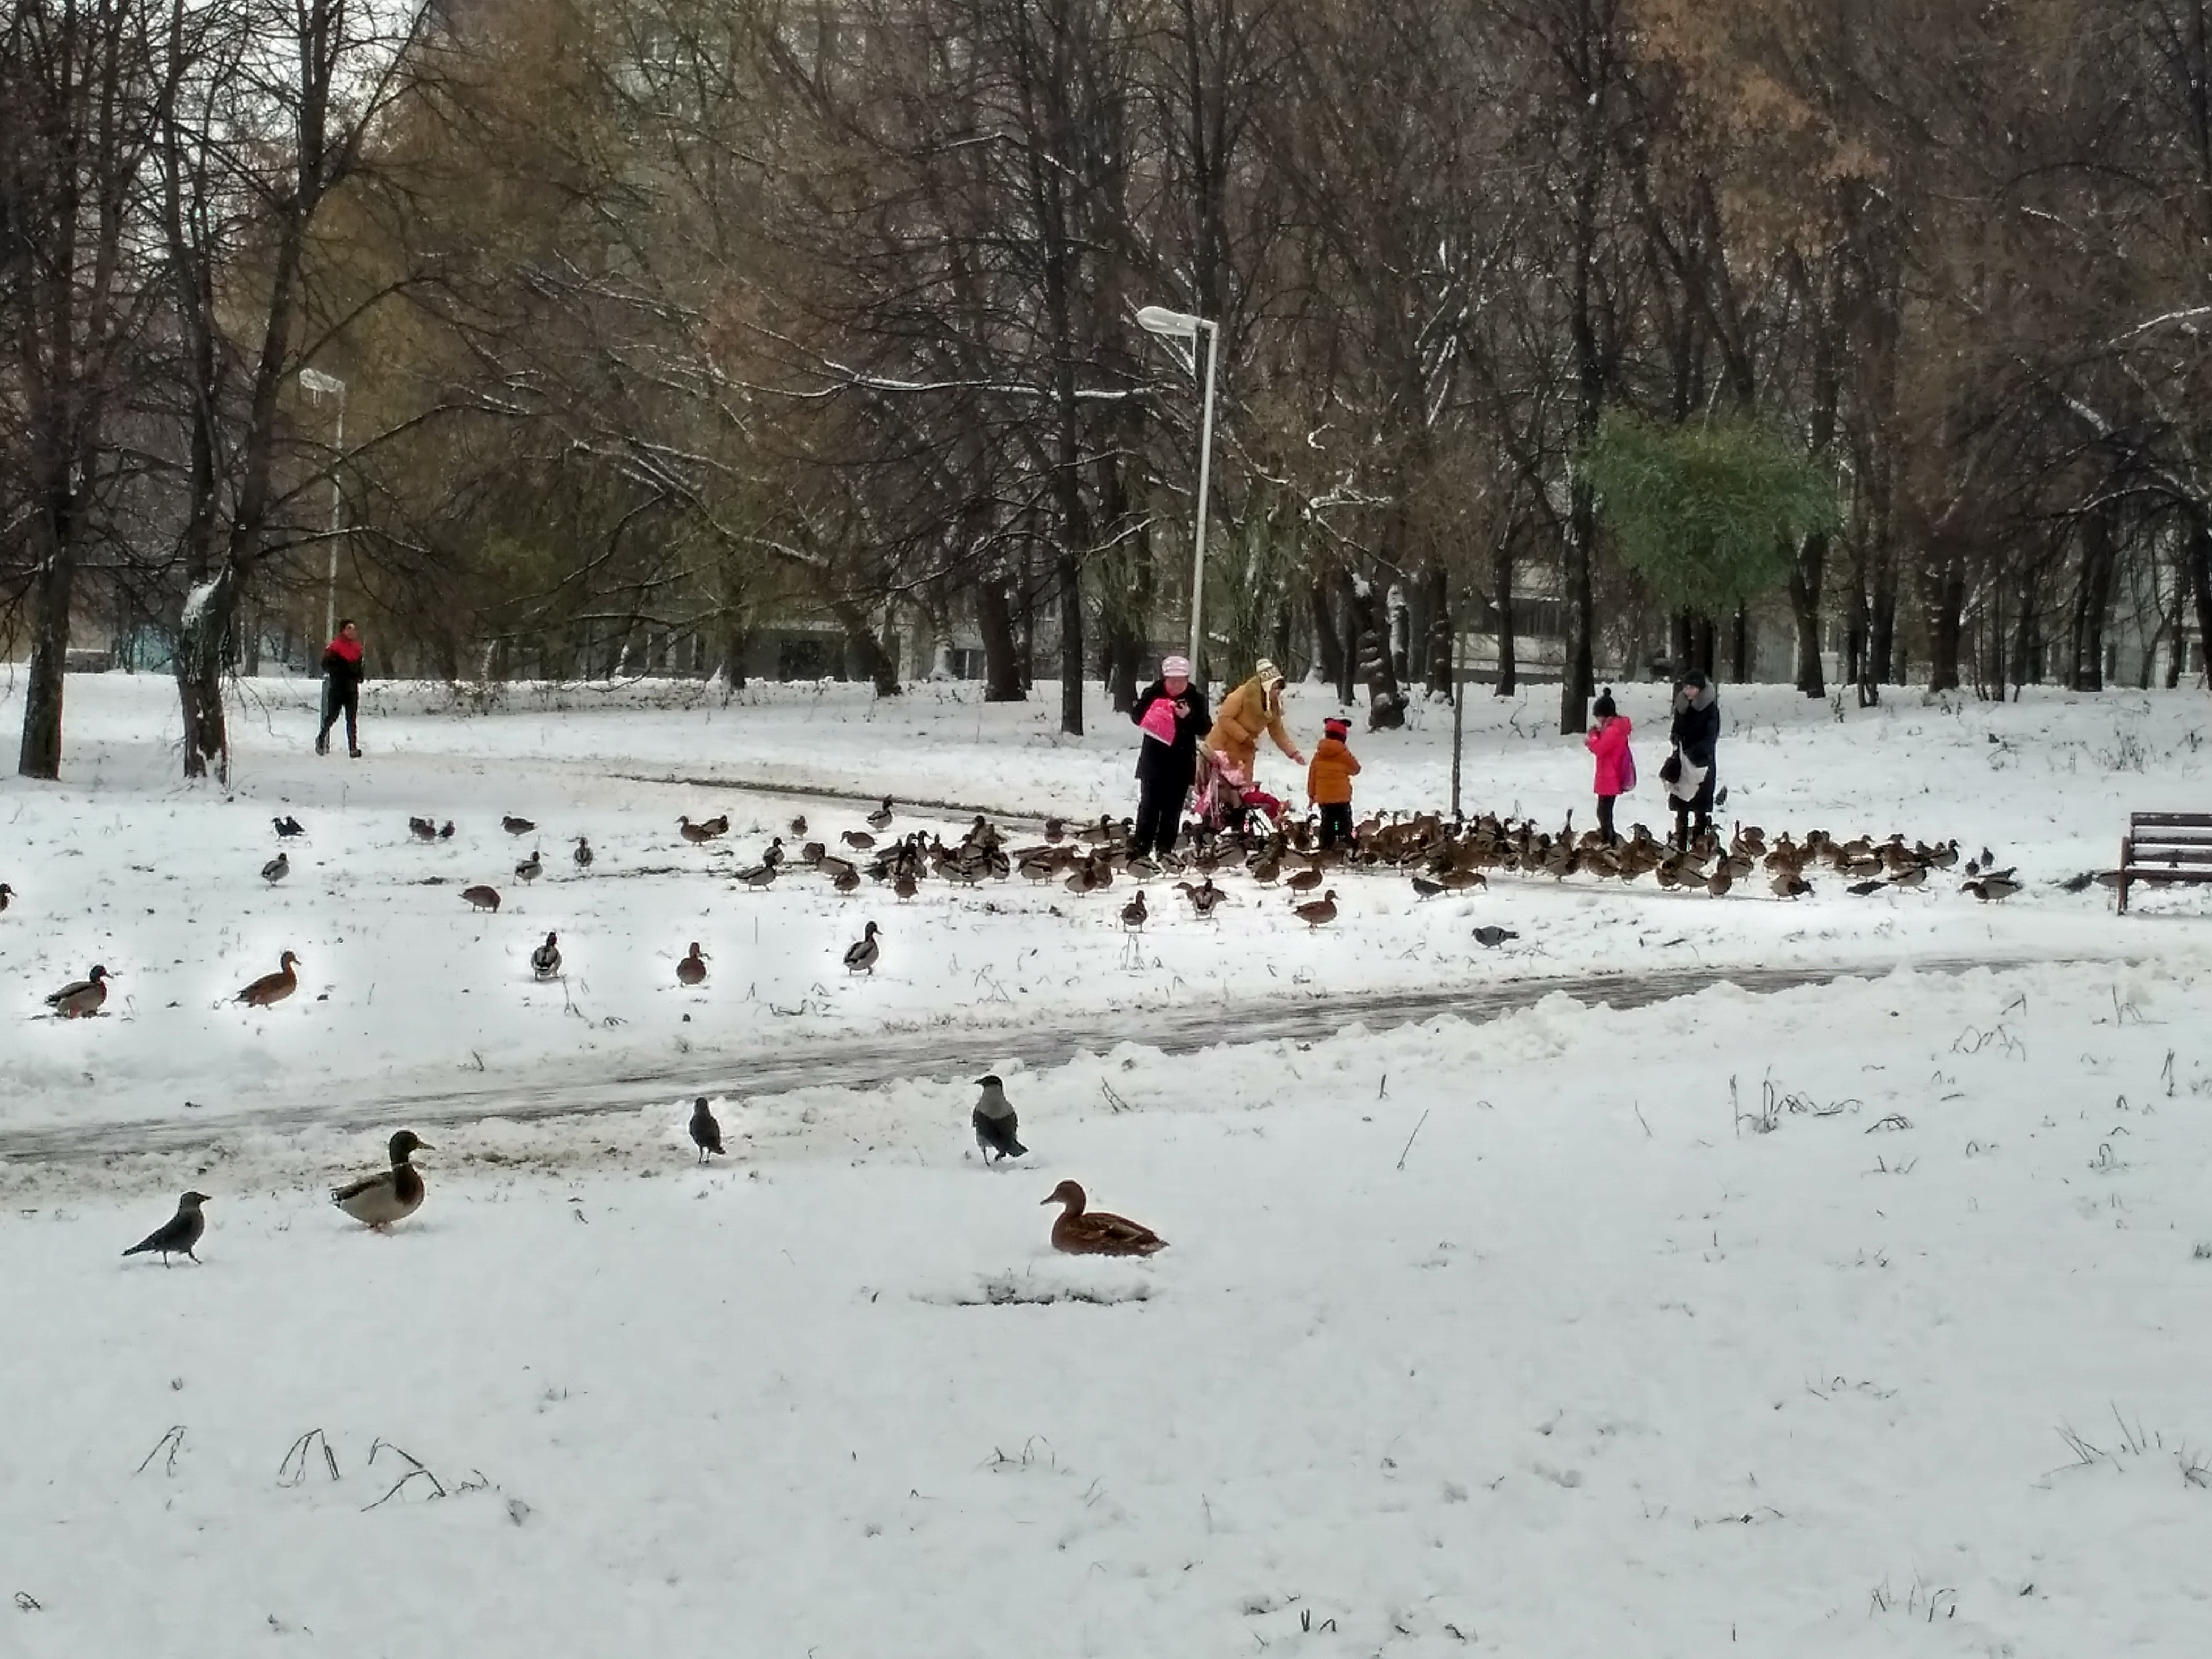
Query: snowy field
{"points": [[1861, 1318], [407, 994]]}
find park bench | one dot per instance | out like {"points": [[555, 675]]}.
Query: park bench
{"points": [[2164, 847]]}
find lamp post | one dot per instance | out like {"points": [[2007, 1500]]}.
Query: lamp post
{"points": [[1181, 325], [319, 385]]}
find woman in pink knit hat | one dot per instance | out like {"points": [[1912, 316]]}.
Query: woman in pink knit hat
{"points": [[1172, 714]]}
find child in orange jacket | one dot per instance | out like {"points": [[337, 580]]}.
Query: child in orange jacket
{"points": [[1329, 781]]}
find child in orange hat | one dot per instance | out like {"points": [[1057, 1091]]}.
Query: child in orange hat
{"points": [[1329, 781]]}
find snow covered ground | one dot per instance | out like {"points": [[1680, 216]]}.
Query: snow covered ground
{"points": [[1731, 1324], [408, 993], [1732, 1321]]}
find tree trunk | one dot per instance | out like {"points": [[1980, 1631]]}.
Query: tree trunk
{"points": [[40, 754], [1067, 579], [2200, 581], [1002, 658], [2093, 593], [203, 632], [1579, 682], [1328, 650], [879, 665], [1946, 625], [1437, 670], [1347, 661], [1501, 581], [1806, 573], [1399, 613], [1385, 703]]}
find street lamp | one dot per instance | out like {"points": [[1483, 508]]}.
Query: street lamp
{"points": [[319, 385], [1181, 325]]}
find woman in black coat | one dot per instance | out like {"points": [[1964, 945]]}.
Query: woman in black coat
{"points": [[1166, 765], [1697, 734]]}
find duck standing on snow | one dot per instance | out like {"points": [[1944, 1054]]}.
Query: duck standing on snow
{"points": [[378, 1200], [287, 826], [545, 960], [706, 1132], [423, 828], [6, 893], [530, 869], [1320, 912], [1133, 913], [881, 818], [482, 898], [179, 1234], [276, 869], [692, 969], [995, 1121], [515, 826], [80, 999], [583, 853], [272, 988], [1095, 1232], [861, 954]]}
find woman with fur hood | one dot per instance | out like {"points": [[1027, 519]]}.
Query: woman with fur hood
{"points": [[1252, 707]]}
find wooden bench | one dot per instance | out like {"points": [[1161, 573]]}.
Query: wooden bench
{"points": [[2164, 847]]}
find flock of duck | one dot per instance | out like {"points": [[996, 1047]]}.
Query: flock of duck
{"points": [[1438, 854], [380, 1200]]}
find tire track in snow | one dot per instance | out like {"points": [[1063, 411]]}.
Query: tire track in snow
{"points": [[863, 1062]]}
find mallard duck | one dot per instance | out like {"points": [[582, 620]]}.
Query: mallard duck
{"points": [[1424, 888], [515, 826], [905, 886], [482, 898], [798, 827], [2000, 886], [423, 828], [446, 830], [774, 856], [80, 999], [813, 852], [1205, 896], [846, 880], [881, 818], [692, 969], [861, 954], [583, 853], [287, 826], [1913, 875], [179, 1234], [760, 876], [1095, 1232], [276, 869], [717, 826], [1721, 880], [1055, 830], [545, 960], [706, 1132], [6, 893], [697, 834], [1788, 884], [1320, 912], [272, 988], [530, 869], [1305, 881], [859, 840], [994, 1122], [1134, 913], [378, 1200]]}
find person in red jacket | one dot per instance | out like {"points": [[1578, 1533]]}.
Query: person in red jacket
{"points": [[1616, 768], [341, 689]]}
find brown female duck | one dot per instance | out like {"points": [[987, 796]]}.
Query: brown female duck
{"points": [[1095, 1232]]}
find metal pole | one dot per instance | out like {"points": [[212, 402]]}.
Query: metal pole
{"points": [[337, 517], [1204, 469], [1459, 711]]}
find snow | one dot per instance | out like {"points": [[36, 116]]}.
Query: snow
{"points": [[1737, 1320], [409, 994]]}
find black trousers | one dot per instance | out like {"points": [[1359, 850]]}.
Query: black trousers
{"points": [[1605, 818], [1335, 822], [1159, 819], [335, 704]]}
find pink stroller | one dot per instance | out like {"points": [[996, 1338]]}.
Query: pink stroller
{"points": [[1227, 799]]}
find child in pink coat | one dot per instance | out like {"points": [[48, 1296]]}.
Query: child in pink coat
{"points": [[1616, 767]]}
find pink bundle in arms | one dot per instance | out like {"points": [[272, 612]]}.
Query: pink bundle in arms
{"points": [[1159, 720]]}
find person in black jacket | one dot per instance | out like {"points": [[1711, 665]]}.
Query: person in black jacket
{"points": [[1696, 734], [1172, 714], [341, 689]]}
